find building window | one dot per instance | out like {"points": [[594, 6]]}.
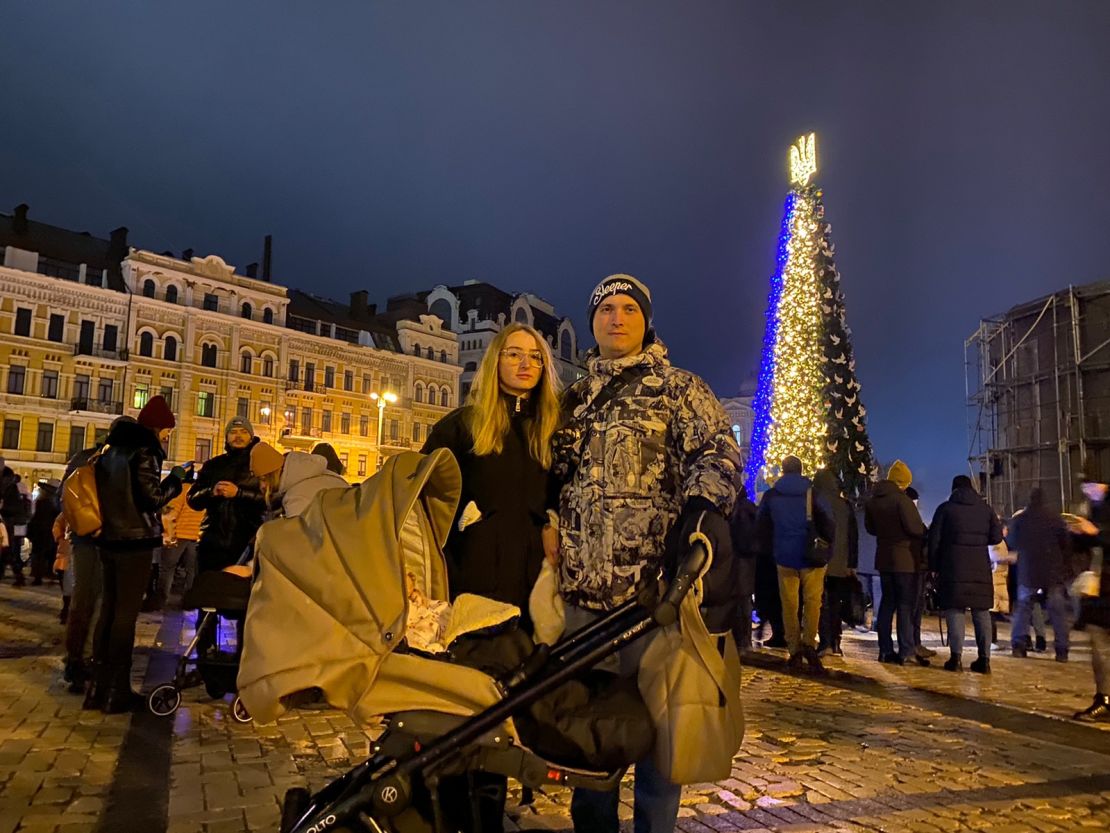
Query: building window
{"points": [[206, 404], [23, 322], [245, 311], [94, 277], [45, 439], [470, 367], [302, 325], [146, 344], [202, 450], [148, 288], [443, 356], [348, 380], [418, 393], [171, 294], [361, 457], [416, 350], [309, 376], [366, 383], [105, 389], [306, 422], [329, 377], [416, 432], [345, 423], [264, 412], [431, 395], [17, 378], [167, 394], [394, 430], [111, 337], [431, 354], [208, 355], [50, 384], [140, 397], [344, 457], [267, 316], [85, 339], [445, 397], [564, 347], [364, 425], [243, 408], [245, 362], [268, 367], [76, 439], [294, 370], [11, 433], [211, 302], [521, 316], [169, 349], [81, 385], [325, 422], [57, 328]]}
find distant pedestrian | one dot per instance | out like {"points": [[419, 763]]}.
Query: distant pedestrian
{"points": [[963, 527], [40, 530], [840, 575], [1094, 609], [15, 511], [896, 524], [788, 534], [1042, 541], [921, 576], [745, 546]]}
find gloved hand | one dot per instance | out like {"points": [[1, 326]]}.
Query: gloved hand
{"points": [[720, 584]]}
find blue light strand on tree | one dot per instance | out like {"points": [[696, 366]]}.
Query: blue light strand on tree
{"points": [[765, 389]]}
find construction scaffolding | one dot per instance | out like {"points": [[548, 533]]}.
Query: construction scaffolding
{"points": [[1038, 395]]}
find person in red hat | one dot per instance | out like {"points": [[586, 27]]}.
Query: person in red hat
{"points": [[131, 494]]}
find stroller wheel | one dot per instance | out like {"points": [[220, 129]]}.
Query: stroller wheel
{"points": [[164, 700], [239, 711], [293, 807]]}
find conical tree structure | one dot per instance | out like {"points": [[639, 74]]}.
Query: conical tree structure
{"points": [[808, 400]]}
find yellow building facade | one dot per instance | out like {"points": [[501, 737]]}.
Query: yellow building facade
{"points": [[74, 355]]}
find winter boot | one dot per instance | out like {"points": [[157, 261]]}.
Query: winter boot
{"points": [[953, 664], [1041, 645], [97, 693], [981, 666], [1097, 712]]}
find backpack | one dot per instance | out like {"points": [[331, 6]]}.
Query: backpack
{"points": [[80, 501]]}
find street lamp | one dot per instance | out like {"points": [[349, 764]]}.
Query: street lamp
{"points": [[381, 399]]}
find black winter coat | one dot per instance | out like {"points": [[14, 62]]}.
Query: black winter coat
{"points": [[963, 527], [130, 489], [1096, 611], [40, 529], [15, 508], [743, 528], [845, 544], [896, 524], [1041, 539], [229, 523], [500, 555]]}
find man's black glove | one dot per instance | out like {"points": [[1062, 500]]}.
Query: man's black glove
{"points": [[720, 584]]}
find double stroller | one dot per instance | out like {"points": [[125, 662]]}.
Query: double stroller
{"points": [[219, 597], [329, 610]]}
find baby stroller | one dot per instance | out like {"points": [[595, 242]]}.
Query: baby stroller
{"points": [[328, 611], [217, 595]]}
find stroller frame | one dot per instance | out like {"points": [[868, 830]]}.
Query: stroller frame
{"points": [[374, 795]]}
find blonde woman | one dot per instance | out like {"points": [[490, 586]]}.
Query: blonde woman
{"points": [[502, 440]]}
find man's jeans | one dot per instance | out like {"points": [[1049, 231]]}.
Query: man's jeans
{"points": [[88, 587], [899, 593], [1100, 657], [981, 619], [171, 557], [1056, 600], [655, 799], [806, 586]]}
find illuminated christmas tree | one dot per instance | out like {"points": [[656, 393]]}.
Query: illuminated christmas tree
{"points": [[808, 400]]}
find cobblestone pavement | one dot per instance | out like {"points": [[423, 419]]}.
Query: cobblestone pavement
{"points": [[869, 748]]}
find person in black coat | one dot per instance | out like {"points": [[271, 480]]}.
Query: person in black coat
{"points": [[1041, 539], [131, 495], [840, 576], [745, 546], [963, 527], [501, 439], [1094, 611], [231, 499], [15, 511], [40, 530]]}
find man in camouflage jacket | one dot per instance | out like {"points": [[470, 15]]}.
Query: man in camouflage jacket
{"points": [[644, 455]]}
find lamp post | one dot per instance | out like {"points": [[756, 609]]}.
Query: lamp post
{"points": [[381, 399]]}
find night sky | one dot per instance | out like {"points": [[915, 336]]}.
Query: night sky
{"points": [[541, 146]]}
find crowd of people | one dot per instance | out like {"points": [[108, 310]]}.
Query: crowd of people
{"points": [[608, 481]]}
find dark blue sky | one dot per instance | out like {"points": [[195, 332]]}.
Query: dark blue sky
{"points": [[541, 146]]}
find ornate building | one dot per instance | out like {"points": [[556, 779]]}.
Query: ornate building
{"points": [[90, 329]]}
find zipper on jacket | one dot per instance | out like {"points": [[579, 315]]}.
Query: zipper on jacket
{"points": [[516, 409]]}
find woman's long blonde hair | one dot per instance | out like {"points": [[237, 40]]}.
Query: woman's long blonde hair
{"points": [[488, 415]]}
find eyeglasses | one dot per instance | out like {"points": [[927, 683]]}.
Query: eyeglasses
{"points": [[517, 356]]}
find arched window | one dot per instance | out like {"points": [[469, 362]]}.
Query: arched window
{"points": [[445, 397], [267, 316], [169, 349], [146, 344], [431, 395], [443, 356], [470, 367], [245, 362], [416, 350], [171, 294], [442, 309], [268, 366], [148, 288], [564, 346], [431, 354], [521, 316], [418, 392], [246, 311], [208, 355]]}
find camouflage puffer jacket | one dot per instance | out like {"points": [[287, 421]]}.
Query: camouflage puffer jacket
{"points": [[629, 467]]}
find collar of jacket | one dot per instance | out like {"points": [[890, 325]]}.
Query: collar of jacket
{"points": [[653, 355], [523, 405]]}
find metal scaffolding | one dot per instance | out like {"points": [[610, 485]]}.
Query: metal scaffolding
{"points": [[1038, 396]]}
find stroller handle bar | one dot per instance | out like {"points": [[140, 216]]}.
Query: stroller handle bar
{"points": [[689, 571]]}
